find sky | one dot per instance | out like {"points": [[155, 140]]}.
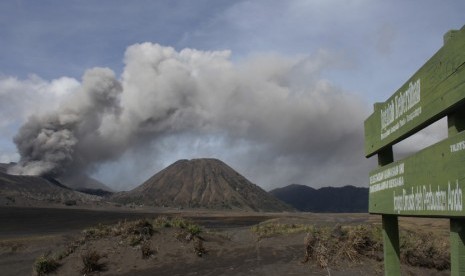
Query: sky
{"points": [[278, 90]]}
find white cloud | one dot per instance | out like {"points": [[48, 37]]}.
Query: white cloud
{"points": [[20, 98]]}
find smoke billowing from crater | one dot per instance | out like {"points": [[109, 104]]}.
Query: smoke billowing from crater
{"points": [[280, 109], [66, 139]]}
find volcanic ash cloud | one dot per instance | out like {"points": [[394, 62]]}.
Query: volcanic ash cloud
{"points": [[277, 106]]}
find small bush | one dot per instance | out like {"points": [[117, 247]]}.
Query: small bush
{"points": [[424, 250], [142, 227], [162, 222], [91, 263], [97, 232], [194, 229], [179, 222], [198, 247], [328, 245], [146, 250], [44, 265], [135, 240]]}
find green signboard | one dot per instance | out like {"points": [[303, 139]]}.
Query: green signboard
{"points": [[428, 95], [429, 183]]}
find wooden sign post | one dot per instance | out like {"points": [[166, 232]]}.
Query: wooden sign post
{"points": [[430, 183]]}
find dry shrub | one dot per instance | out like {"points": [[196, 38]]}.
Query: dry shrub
{"points": [[198, 247], [134, 231], [91, 263], [424, 250], [186, 237], [363, 240], [146, 250], [97, 232], [328, 245], [141, 227], [45, 265]]}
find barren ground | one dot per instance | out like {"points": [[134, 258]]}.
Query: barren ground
{"points": [[231, 247]]}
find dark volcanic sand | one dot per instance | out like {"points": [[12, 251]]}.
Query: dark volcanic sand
{"points": [[19, 221], [26, 233]]}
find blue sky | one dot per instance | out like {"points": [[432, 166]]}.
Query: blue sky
{"points": [[364, 49]]}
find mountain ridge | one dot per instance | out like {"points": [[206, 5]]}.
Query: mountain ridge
{"points": [[346, 199], [26, 190]]}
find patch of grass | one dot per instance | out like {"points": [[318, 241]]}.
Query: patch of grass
{"points": [[270, 229], [134, 232], [194, 229], [178, 222], [45, 265], [162, 222], [97, 232], [91, 262]]}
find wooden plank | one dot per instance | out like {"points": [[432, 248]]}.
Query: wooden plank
{"points": [[391, 245], [457, 247], [429, 183], [436, 88]]}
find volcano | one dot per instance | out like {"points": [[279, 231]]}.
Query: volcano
{"points": [[27, 190], [202, 183]]}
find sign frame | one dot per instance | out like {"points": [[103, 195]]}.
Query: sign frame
{"points": [[430, 183]]}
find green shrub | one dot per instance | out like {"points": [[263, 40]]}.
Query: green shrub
{"points": [[269, 229], [179, 222], [194, 229], [162, 222], [44, 265]]}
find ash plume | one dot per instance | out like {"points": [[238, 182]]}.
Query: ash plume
{"points": [[280, 109], [56, 142]]}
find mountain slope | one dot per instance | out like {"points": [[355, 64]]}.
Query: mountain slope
{"points": [[347, 199], [205, 183], [31, 190], [83, 182]]}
